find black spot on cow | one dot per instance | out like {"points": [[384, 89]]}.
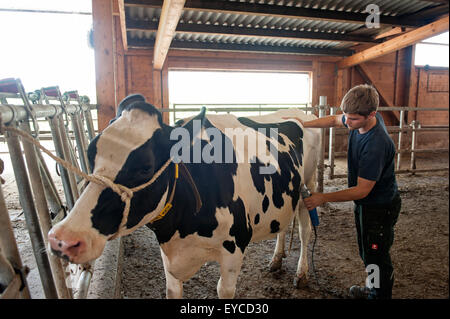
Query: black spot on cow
{"points": [[274, 226], [229, 245], [256, 219], [288, 161], [265, 204], [257, 177], [92, 151], [241, 229], [183, 218]]}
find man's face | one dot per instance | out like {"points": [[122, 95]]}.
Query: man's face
{"points": [[356, 121]]}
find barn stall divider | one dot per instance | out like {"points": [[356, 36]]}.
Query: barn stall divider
{"points": [[38, 196]]}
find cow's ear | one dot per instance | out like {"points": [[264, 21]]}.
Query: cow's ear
{"points": [[201, 116], [125, 102], [195, 125], [130, 99]]}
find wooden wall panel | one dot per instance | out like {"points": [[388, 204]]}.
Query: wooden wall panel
{"points": [[326, 73], [140, 76]]}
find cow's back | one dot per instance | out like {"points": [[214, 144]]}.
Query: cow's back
{"points": [[311, 136]]}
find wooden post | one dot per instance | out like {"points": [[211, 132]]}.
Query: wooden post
{"points": [[104, 61], [400, 133], [331, 147], [320, 169]]}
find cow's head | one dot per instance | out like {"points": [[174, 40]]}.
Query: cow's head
{"points": [[128, 152]]}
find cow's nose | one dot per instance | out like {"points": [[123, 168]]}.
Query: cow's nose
{"points": [[69, 248]]}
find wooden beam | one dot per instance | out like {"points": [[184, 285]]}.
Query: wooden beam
{"points": [[104, 61], [369, 78], [189, 28], [123, 27], [397, 43], [148, 43], [170, 14], [367, 75], [391, 32], [236, 7]]}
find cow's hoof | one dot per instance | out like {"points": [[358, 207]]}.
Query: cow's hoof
{"points": [[275, 265], [300, 282]]}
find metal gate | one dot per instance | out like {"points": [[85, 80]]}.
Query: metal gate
{"points": [[38, 196]]}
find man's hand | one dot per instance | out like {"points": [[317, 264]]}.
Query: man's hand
{"points": [[361, 190], [316, 199]]}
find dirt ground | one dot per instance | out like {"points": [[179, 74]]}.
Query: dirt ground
{"points": [[420, 252]]}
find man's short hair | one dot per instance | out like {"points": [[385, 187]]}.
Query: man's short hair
{"points": [[362, 99]]}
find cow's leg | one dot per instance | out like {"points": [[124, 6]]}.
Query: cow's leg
{"points": [[174, 286], [304, 227], [230, 267], [278, 254]]}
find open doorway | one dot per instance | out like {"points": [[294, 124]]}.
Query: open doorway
{"points": [[238, 93]]}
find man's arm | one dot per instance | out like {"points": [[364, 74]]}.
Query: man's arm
{"points": [[361, 190], [323, 122]]}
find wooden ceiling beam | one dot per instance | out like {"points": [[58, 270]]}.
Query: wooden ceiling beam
{"points": [[150, 26], [397, 43], [170, 14], [236, 7], [391, 32], [148, 43]]}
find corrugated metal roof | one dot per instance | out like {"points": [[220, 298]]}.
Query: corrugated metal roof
{"points": [[341, 27]]}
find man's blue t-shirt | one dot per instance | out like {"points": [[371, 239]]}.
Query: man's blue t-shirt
{"points": [[371, 156]]}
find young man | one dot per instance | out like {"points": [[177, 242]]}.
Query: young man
{"points": [[371, 181]]}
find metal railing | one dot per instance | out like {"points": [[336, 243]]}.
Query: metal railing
{"points": [[413, 129], [38, 195]]}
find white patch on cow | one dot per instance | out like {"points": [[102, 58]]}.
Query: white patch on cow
{"points": [[185, 256], [121, 138]]}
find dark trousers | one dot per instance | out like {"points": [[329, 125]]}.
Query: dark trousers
{"points": [[375, 230]]}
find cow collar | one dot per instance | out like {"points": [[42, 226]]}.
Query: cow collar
{"points": [[169, 205], [185, 172]]}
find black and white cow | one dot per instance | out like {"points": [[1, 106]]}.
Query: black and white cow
{"points": [[239, 204]]}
